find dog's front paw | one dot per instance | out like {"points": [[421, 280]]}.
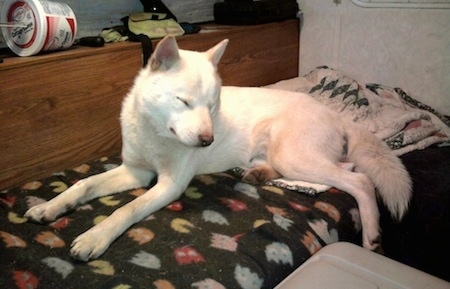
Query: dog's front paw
{"points": [[41, 213], [89, 245]]}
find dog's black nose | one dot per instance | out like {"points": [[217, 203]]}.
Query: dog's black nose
{"points": [[205, 140]]}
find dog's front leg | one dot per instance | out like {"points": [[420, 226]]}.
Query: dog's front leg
{"points": [[94, 242], [116, 180]]}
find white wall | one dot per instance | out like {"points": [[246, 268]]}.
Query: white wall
{"points": [[400, 47]]}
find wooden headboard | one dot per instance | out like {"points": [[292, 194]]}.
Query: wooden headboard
{"points": [[61, 109]]}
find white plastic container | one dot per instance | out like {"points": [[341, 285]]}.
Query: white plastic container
{"points": [[41, 26], [347, 266]]}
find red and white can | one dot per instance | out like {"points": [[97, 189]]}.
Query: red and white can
{"points": [[37, 25]]}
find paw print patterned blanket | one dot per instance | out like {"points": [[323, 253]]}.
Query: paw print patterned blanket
{"points": [[222, 233]]}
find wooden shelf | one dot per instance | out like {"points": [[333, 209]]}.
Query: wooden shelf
{"points": [[11, 61], [246, 42]]}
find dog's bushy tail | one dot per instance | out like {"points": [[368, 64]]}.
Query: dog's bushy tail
{"points": [[374, 158]]}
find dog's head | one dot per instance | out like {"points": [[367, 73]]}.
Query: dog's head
{"points": [[180, 91]]}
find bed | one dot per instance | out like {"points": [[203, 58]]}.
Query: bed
{"points": [[223, 233]]}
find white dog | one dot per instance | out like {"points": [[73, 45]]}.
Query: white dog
{"points": [[177, 122]]}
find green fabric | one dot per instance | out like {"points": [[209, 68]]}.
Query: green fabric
{"points": [[144, 23], [111, 35]]}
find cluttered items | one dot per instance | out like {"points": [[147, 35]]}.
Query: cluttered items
{"points": [[32, 27]]}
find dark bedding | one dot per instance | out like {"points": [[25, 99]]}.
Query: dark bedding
{"points": [[221, 234], [421, 239]]}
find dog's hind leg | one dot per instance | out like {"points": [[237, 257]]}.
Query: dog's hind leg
{"points": [[116, 180], [260, 174], [315, 169]]}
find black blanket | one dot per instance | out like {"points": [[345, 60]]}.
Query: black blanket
{"points": [[222, 233]]}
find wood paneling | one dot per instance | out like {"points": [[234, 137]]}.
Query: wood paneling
{"points": [[61, 109]]}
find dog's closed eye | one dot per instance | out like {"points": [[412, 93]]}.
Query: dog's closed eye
{"points": [[183, 101]]}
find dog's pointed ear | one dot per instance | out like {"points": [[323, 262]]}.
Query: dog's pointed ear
{"points": [[215, 53], [165, 54]]}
